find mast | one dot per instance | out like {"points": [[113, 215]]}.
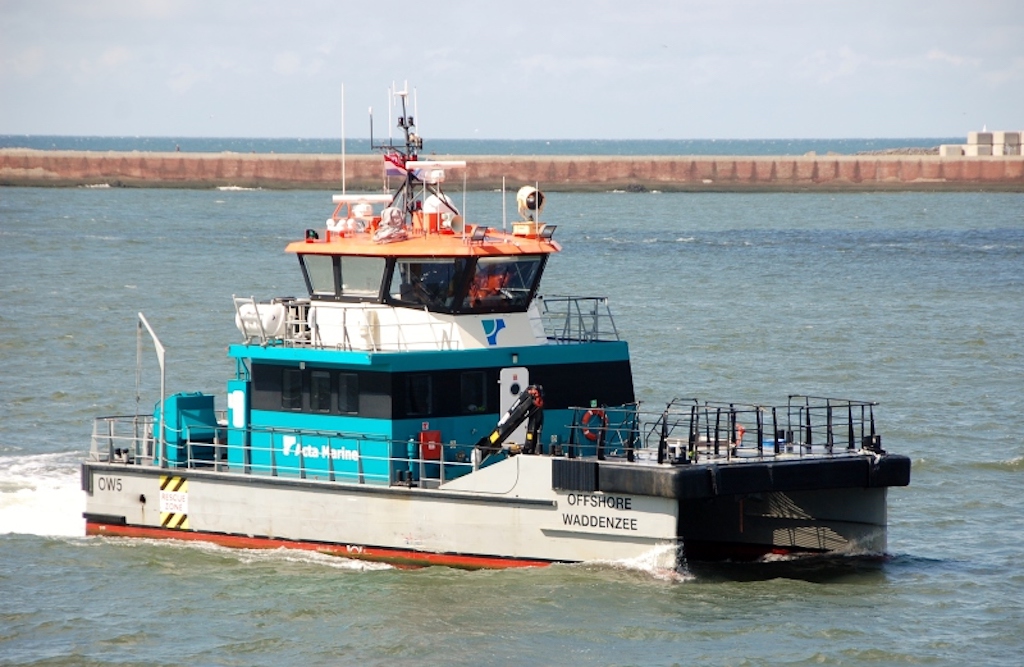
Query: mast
{"points": [[343, 179], [400, 154]]}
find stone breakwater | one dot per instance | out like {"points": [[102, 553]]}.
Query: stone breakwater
{"points": [[27, 167]]}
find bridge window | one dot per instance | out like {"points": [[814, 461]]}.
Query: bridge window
{"points": [[502, 284], [319, 271], [359, 278], [427, 282]]}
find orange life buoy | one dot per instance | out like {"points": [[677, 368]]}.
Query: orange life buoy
{"points": [[585, 422]]}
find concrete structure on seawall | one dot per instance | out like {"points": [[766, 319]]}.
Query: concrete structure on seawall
{"points": [[811, 173], [998, 144]]}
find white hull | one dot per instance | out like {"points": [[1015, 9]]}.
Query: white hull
{"points": [[505, 514]]}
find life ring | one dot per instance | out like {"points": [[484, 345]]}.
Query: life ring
{"points": [[585, 423]]}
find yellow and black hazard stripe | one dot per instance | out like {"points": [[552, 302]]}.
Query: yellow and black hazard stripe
{"points": [[174, 520]]}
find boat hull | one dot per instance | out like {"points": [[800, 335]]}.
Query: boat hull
{"points": [[751, 526], [532, 520]]}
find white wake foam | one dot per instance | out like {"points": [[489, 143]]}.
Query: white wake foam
{"points": [[40, 494], [276, 556], [651, 563], [285, 555]]}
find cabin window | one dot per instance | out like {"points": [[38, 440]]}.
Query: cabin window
{"points": [[419, 395], [291, 389], [473, 392], [320, 274], [427, 282], [363, 394], [348, 393], [320, 391], [502, 284], [361, 276]]}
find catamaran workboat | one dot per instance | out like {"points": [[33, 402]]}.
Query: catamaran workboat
{"points": [[424, 405]]}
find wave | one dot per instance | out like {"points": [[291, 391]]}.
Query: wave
{"points": [[942, 465], [648, 563], [1010, 465], [281, 555], [40, 494]]}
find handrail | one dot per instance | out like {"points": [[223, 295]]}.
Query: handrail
{"points": [[564, 319], [691, 430], [685, 431], [302, 330], [577, 319], [117, 439]]}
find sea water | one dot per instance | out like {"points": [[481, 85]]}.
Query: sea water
{"points": [[914, 300]]}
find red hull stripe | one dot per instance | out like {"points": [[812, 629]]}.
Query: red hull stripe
{"points": [[396, 557]]}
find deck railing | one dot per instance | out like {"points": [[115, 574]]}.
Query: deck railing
{"points": [[359, 327], [685, 432], [287, 321], [692, 431], [577, 319], [312, 454]]}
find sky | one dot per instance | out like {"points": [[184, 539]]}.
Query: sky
{"points": [[529, 69]]}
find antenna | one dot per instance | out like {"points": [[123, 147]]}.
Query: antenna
{"points": [[401, 157], [343, 179]]}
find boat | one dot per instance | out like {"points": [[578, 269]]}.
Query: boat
{"points": [[424, 404]]}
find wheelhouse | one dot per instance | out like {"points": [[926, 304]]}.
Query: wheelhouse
{"points": [[453, 284]]}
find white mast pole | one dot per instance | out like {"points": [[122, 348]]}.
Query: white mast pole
{"points": [[161, 356], [343, 174]]}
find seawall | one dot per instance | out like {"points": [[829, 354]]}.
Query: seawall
{"points": [[28, 167]]}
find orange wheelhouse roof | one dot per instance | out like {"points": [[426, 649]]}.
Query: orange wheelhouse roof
{"points": [[495, 243]]}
